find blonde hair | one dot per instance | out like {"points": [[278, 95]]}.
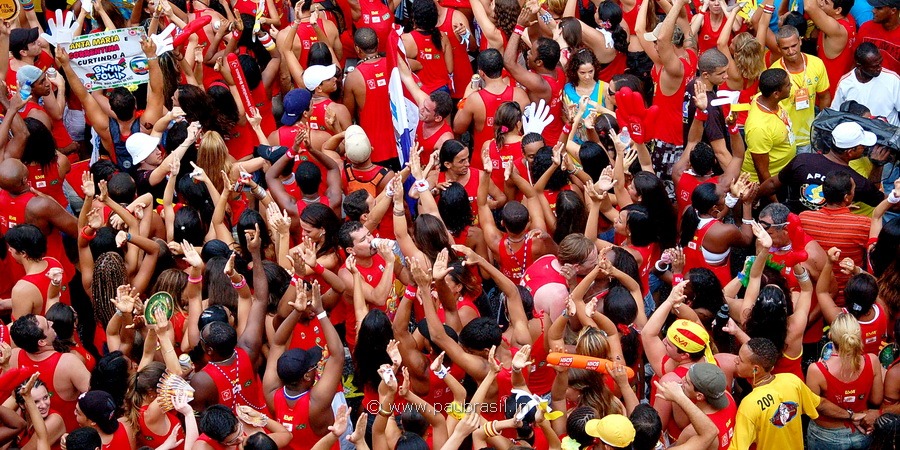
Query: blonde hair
{"points": [[213, 157], [847, 337], [592, 342], [557, 7], [748, 56]]}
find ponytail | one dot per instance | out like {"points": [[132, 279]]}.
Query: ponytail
{"points": [[847, 337], [689, 223]]}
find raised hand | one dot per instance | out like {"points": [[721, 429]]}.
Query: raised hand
{"points": [[404, 386], [494, 362], [420, 275], [254, 240], [229, 266], [762, 236], [351, 264], [440, 269], [359, 432], [606, 181], [536, 117], [87, 184], [617, 372], [25, 391], [125, 298], [472, 258], [163, 39], [340, 421], [700, 100], [669, 390], [193, 258], [393, 351], [522, 358], [438, 362]]}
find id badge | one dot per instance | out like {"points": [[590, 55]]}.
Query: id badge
{"points": [[801, 99]]}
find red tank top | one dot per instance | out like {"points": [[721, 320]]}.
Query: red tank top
{"points": [[788, 365], [89, 360], [554, 129], [613, 68], [211, 442], [462, 69], [371, 275], [649, 255], [746, 96], [492, 102], [438, 392], [541, 273], [307, 335], [434, 73], [669, 126], [47, 368], [29, 434], [874, 331], [672, 428], [630, 16], [48, 181], [693, 255], [146, 437], [237, 382], [286, 136], [686, 185], [377, 16], [838, 66], [241, 141], [57, 127], [119, 440], [317, 116], [708, 36], [296, 420], [12, 213], [41, 282], [513, 264], [540, 380], [429, 144], [308, 37], [372, 114], [724, 420], [851, 395], [264, 105], [471, 188], [510, 153]]}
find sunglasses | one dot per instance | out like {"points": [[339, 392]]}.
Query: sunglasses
{"points": [[767, 226]]}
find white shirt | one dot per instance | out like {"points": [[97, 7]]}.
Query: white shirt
{"points": [[881, 94]]}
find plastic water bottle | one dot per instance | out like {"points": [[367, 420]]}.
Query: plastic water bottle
{"points": [[51, 73], [625, 136], [25, 90], [377, 241], [721, 337]]}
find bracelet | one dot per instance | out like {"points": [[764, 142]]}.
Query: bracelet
{"points": [[661, 269], [196, 280], [56, 283], [730, 200], [768, 9], [318, 269], [152, 58], [261, 195], [421, 185], [456, 410], [399, 213], [87, 236], [802, 277], [290, 154], [296, 280], [127, 237], [119, 312], [321, 315], [442, 372], [241, 284], [677, 278], [748, 221], [893, 199], [519, 29], [383, 412], [566, 129], [494, 427]]}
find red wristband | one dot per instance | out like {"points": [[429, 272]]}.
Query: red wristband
{"points": [[567, 129], [86, 236], [319, 269], [701, 115], [677, 278], [519, 29]]}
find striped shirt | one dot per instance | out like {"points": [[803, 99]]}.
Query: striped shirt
{"points": [[838, 227]]}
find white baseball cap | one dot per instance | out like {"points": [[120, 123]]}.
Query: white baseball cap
{"points": [[313, 76], [357, 146], [851, 134]]}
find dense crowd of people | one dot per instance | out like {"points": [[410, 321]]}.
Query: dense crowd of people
{"points": [[450, 224]]}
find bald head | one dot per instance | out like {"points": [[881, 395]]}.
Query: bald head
{"points": [[13, 175]]}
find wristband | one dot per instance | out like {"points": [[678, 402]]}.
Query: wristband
{"points": [[730, 200], [677, 278], [701, 115], [152, 58], [566, 129], [768, 9], [321, 315], [295, 280], [197, 280], [421, 185], [389, 190], [519, 29], [127, 237], [442, 372], [319, 269], [748, 221], [86, 236], [660, 269], [383, 412], [241, 284], [290, 154], [893, 199], [456, 410], [119, 312], [802, 277], [399, 213]]}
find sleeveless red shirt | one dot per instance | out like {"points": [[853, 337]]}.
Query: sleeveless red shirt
{"points": [[373, 114], [838, 66], [693, 256], [471, 188], [429, 144], [874, 331], [613, 68], [317, 116], [513, 264], [47, 367], [308, 37], [296, 420], [851, 395], [541, 273], [553, 130], [434, 73], [41, 282], [237, 382], [371, 275], [724, 420], [286, 136], [708, 36], [685, 187], [48, 181], [57, 127], [462, 68], [119, 440], [670, 123], [147, 437], [377, 16], [510, 153], [491, 102]]}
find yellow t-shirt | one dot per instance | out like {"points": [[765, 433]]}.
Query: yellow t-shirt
{"points": [[815, 80], [770, 415], [768, 133]]}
